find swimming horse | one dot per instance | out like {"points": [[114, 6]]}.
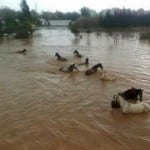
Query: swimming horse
{"points": [[60, 58], [128, 107], [77, 54], [133, 94], [69, 69], [93, 69]]}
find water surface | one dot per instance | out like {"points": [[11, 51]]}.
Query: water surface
{"points": [[44, 109]]}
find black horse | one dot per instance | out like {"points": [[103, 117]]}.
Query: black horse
{"points": [[60, 58], [69, 68], [93, 69], [22, 51], [77, 54], [133, 94]]}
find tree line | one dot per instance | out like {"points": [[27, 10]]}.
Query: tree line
{"points": [[23, 22], [111, 18]]}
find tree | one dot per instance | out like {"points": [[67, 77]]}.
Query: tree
{"points": [[7, 13], [85, 12], [25, 9]]}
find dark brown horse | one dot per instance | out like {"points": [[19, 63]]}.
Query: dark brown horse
{"points": [[93, 69], [69, 68], [77, 54], [60, 58], [22, 51]]}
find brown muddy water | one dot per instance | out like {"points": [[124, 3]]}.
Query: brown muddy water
{"points": [[44, 109]]}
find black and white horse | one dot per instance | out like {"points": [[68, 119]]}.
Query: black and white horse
{"points": [[133, 93], [130, 94], [128, 107]]}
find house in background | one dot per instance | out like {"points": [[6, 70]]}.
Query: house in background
{"points": [[55, 23]]}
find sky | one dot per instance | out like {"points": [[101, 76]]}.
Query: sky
{"points": [[75, 5]]}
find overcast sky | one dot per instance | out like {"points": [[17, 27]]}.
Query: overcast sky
{"points": [[75, 5]]}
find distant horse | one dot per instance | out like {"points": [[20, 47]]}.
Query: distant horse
{"points": [[85, 63], [133, 93], [77, 54], [68, 69], [93, 69], [22, 51], [60, 58]]}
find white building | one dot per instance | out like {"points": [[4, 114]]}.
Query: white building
{"points": [[59, 23]]}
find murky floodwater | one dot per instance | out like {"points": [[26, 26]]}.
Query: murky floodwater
{"points": [[43, 109]]}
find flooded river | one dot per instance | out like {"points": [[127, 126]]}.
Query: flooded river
{"points": [[44, 109]]}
